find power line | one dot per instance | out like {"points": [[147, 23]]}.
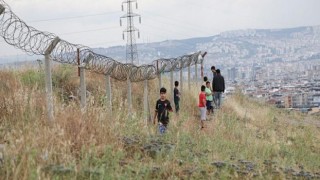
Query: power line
{"points": [[91, 30], [108, 42], [73, 17]]}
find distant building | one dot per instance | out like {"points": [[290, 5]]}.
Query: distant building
{"points": [[301, 101], [288, 102], [232, 74], [316, 100], [297, 101]]}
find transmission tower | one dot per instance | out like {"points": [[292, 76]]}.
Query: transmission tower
{"points": [[131, 48]]}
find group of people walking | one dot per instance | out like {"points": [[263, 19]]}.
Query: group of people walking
{"points": [[209, 94]]}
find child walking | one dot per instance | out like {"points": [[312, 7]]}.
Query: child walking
{"points": [[202, 106], [176, 96], [163, 107], [209, 98]]}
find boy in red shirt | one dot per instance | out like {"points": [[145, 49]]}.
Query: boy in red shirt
{"points": [[202, 105]]}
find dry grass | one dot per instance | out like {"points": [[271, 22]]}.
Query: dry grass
{"points": [[83, 145]]}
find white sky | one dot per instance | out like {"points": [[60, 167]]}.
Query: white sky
{"points": [[161, 19]]}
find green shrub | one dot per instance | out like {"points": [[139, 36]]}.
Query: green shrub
{"points": [[32, 78], [62, 76]]}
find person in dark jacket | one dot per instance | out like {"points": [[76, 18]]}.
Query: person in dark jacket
{"points": [[218, 87], [176, 96], [214, 73]]}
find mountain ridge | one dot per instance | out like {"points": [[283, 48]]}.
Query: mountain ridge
{"points": [[230, 47], [259, 44]]}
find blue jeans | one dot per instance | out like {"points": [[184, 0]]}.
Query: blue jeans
{"points": [[217, 97], [162, 128]]}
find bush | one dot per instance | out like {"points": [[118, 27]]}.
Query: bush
{"points": [[32, 78], [63, 80], [62, 77]]}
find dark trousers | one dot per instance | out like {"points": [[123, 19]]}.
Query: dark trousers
{"points": [[176, 103]]}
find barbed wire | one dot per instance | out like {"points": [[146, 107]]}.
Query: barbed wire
{"points": [[18, 34]]}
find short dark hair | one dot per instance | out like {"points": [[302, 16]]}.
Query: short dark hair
{"points": [[208, 82], [218, 71], [213, 68], [203, 88], [163, 90], [176, 83], [205, 78]]}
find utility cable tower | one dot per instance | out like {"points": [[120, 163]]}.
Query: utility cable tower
{"points": [[131, 48]]}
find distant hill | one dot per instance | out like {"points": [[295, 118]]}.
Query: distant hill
{"points": [[242, 46], [230, 48]]}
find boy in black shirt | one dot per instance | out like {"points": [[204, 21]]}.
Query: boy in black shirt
{"points": [[176, 96], [163, 107]]}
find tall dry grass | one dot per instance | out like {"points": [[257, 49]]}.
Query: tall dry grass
{"points": [[90, 144]]}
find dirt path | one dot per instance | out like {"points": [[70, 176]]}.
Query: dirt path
{"points": [[308, 121]]}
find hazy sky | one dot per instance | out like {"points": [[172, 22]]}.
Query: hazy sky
{"points": [[95, 23]]}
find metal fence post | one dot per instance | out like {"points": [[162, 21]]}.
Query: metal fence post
{"points": [[171, 83], [48, 79], [129, 95], [189, 76], [196, 74], [145, 102], [48, 76], [83, 89], [160, 80], [109, 93], [159, 76], [202, 71]]}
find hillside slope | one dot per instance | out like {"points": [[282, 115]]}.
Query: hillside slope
{"points": [[244, 139], [235, 47]]}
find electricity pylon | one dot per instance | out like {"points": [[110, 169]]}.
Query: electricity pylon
{"points": [[131, 48]]}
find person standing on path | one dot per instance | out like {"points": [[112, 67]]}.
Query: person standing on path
{"points": [[202, 106], [209, 98], [163, 107], [214, 73], [176, 96], [218, 87]]}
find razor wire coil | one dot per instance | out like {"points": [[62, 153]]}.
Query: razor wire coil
{"points": [[34, 42]]}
